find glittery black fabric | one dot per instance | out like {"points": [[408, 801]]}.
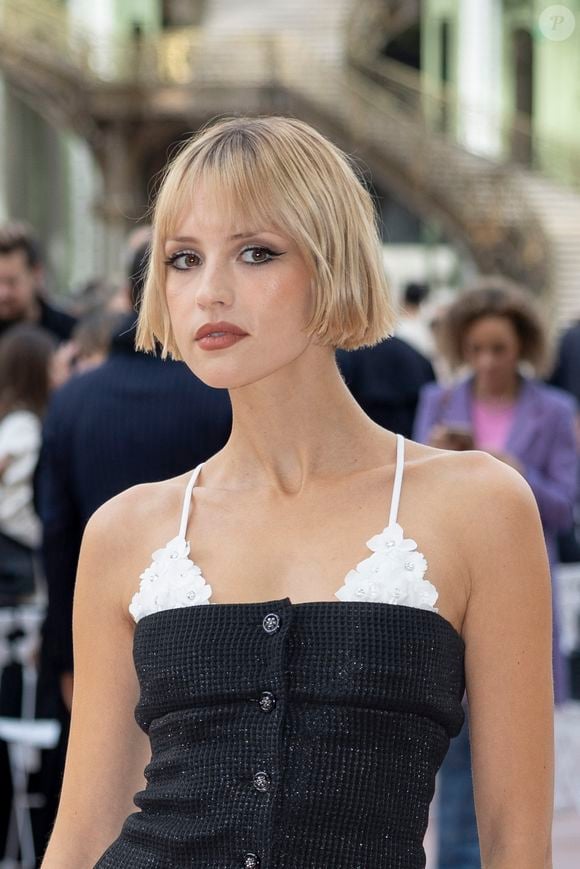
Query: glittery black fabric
{"points": [[290, 735]]}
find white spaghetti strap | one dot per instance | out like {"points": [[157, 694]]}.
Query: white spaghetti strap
{"points": [[187, 500], [398, 479]]}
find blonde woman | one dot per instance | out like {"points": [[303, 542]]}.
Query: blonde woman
{"points": [[274, 692]]}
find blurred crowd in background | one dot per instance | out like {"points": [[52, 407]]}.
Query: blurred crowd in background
{"points": [[462, 117], [82, 414]]}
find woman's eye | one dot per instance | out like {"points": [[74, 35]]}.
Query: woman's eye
{"points": [[257, 255], [182, 261]]}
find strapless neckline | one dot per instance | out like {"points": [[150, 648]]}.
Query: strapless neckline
{"points": [[287, 602]]}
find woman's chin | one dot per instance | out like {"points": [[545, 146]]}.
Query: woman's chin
{"points": [[220, 379]]}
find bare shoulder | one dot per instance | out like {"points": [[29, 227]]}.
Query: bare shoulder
{"points": [[492, 501], [141, 506], [474, 485], [122, 534], [484, 507]]}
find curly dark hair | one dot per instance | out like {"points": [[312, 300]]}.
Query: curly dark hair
{"points": [[496, 296]]}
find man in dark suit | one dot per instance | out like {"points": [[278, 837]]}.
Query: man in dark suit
{"points": [[386, 380], [134, 419]]}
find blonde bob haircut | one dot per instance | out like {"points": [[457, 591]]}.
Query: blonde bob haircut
{"points": [[280, 172]]}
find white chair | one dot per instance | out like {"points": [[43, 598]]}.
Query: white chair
{"points": [[24, 739], [26, 736]]}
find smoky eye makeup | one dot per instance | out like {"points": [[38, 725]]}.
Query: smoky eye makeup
{"points": [[182, 260], [251, 254], [258, 254]]}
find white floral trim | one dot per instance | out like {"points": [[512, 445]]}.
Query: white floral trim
{"points": [[172, 580], [394, 573]]}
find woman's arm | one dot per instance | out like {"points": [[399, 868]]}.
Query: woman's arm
{"points": [[507, 630], [107, 751]]}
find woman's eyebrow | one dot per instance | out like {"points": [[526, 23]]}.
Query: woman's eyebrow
{"points": [[189, 239], [181, 239]]}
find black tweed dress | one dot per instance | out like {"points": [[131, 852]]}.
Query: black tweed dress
{"points": [[290, 736]]}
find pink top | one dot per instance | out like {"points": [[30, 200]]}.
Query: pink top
{"points": [[492, 422]]}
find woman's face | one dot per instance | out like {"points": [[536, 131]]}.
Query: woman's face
{"points": [[491, 347], [252, 276]]}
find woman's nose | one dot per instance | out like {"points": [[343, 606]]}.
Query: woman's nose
{"points": [[215, 285]]}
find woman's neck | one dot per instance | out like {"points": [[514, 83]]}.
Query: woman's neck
{"points": [[299, 425]]}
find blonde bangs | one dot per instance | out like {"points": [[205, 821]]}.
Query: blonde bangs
{"points": [[282, 174]]}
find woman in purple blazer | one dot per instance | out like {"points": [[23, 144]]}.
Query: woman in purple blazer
{"points": [[496, 408], [493, 330]]}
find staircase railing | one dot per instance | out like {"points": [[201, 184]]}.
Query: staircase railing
{"points": [[43, 32], [442, 110], [383, 109]]}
